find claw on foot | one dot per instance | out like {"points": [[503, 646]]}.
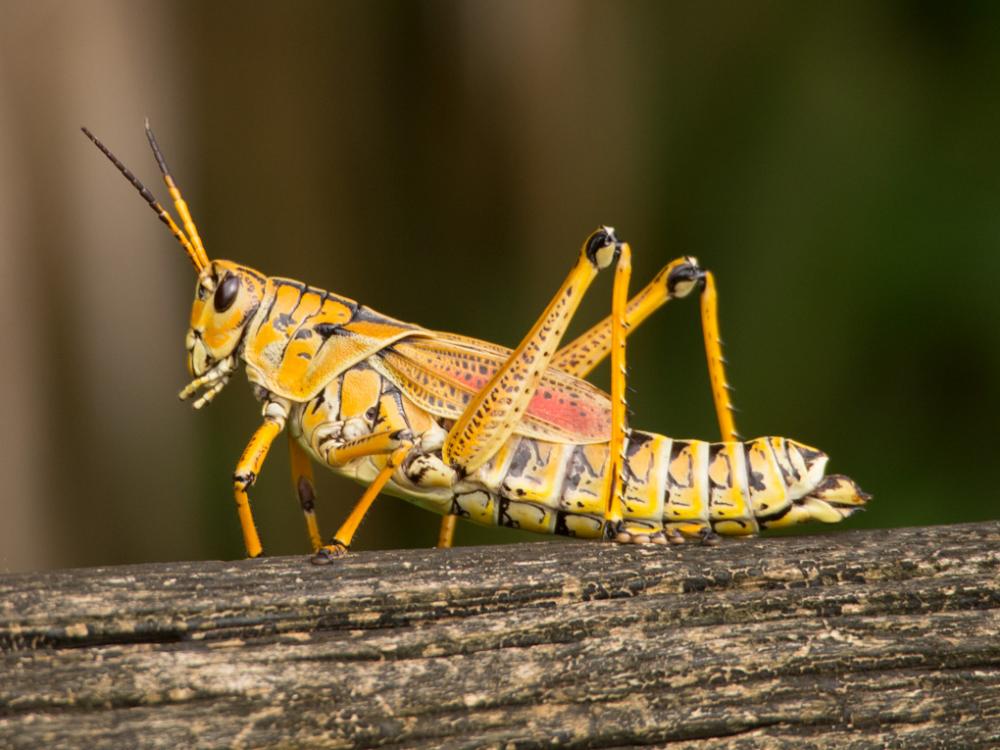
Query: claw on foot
{"points": [[658, 538], [615, 531], [620, 533], [612, 530], [674, 536], [328, 553], [709, 538]]}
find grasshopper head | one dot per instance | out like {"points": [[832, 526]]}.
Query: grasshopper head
{"points": [[226, 297]]}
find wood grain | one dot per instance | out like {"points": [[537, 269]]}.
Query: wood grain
{"points": [[860, 639]]}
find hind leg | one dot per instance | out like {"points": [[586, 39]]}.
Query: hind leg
{"points": [[677, 279], [493, 415]]}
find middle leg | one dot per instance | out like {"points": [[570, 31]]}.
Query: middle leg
{"points": [[391, 444], [305, 489]]}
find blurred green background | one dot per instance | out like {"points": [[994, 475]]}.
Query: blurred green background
{"points": [[836, 165]]}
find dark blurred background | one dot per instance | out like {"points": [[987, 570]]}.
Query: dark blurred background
{"points": [[837, 167]]}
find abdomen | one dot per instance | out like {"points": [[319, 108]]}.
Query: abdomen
{"points": [[733, 488], [690, 486]]}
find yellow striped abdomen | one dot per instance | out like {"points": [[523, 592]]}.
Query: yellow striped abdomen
{"points": [[690, 486]]}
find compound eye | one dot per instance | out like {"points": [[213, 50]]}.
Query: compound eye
{"points": [[225, 295]]}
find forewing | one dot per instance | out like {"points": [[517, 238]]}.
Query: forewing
{"points": [[441, 372], [301, 338]]}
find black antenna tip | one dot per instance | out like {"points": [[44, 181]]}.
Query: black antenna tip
{"points": [[143, 190], [160, 161]]}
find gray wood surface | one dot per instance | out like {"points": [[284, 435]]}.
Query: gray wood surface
{"points": [[860, 639]]}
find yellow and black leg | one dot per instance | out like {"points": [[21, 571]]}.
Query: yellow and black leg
{"points": [[583, 354], [246, 474], [392, 444], [716, 362], [446, 534], [677, 279], [589, 349], [375, 444], [305, 489], [341, 541], [492, 416], [614, 526], [716, 374]]}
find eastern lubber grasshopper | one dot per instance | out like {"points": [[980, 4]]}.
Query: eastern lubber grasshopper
{"points": [[470, 429]]}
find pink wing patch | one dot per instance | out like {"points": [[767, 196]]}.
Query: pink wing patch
{"points": [[564, 409], [571, 409]]}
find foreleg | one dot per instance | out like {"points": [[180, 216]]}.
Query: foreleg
{"points": [[248, 468]]}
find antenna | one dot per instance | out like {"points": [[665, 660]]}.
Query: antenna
{"points": [[175, 192], [196, 252]]}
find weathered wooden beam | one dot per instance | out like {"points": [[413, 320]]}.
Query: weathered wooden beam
{"points": [[850, 640]]}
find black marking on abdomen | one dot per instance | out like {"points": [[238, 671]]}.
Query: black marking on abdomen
{"points": [[785, 465], [456, 509], [503, 517], [676, 448], [574, 471], [520, 460], [714, 450], [777, 515], [808, 454], [635, 441]]}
